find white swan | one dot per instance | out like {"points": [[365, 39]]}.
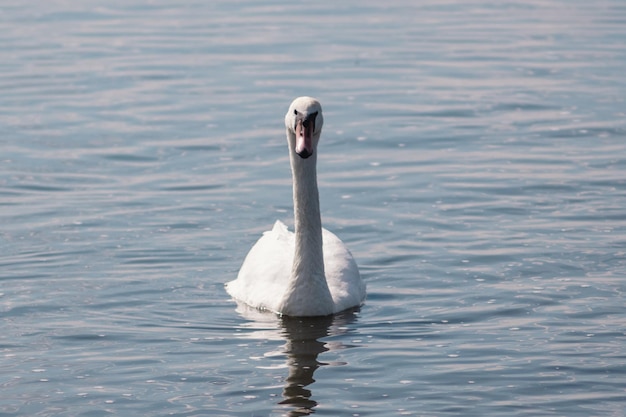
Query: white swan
{"points": [[309, 272]]}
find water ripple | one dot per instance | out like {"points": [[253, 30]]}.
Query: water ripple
{"points": [[472, 160]]}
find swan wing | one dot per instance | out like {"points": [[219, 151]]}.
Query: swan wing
{"points": [[265, 272], [342, 274]]}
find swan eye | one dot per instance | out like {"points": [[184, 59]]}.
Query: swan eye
{"points": [[295, 112]]}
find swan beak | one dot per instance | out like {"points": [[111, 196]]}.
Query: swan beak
{"points": [[304, 137]]}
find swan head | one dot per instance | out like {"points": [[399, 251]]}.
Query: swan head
{"points": [[304, 122]]}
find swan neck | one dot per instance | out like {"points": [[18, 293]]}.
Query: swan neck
{"points": [[306, 205], [307, 293], [308, 262]]}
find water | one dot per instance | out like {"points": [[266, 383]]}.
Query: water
{"points": [[473, 159]]}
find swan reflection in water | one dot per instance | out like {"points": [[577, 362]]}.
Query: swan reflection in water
{"points": [[303, 343]]}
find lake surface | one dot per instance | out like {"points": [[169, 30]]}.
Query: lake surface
{"points": [[473, 159]]}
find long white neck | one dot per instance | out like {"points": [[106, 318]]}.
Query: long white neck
{"points": [[308, 290], [309, 258]]}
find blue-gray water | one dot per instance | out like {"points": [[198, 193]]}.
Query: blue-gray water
{"points": [[473, 159]]}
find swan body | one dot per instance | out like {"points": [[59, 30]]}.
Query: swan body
{"points": [[309, 272]]}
